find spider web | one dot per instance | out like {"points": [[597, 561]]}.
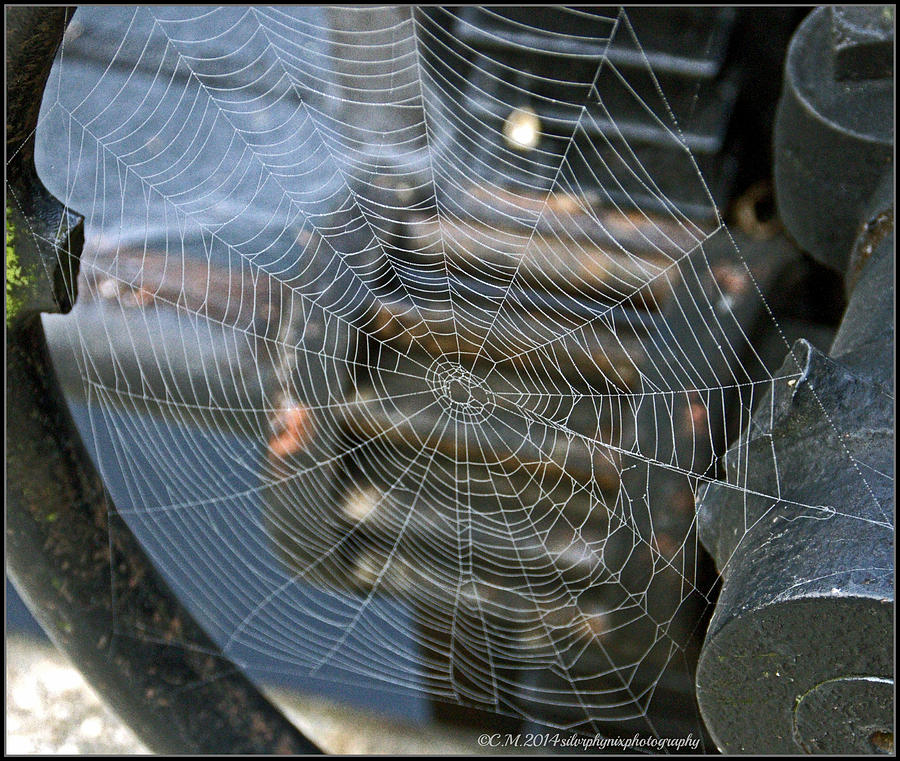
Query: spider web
{"points": [[390, 395]]}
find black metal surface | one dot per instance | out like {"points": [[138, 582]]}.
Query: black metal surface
{"points": [[807, 595], [834, 129], [798, 655], [691, 68], [70, 555], [862, 40]]}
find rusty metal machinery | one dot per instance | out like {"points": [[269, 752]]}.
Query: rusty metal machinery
{"points": [[797, 656]]}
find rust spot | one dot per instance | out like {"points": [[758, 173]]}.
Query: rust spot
{"points": [[872, 233], [882, 742], [665, 545], [731, 278], [683, 502], [234, 296], [143, 297], [698, 414], [294, 431]]}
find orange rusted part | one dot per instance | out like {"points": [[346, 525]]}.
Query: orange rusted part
{"points": [[733, 279], [682, 502], [698, 414], [241, 297], [295, 432], [667, 546], [143, 297]]}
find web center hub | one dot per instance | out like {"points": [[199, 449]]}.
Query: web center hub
{"points": [[463, 396]]}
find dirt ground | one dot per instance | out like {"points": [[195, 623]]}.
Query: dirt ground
{"points": [[50, 709]]}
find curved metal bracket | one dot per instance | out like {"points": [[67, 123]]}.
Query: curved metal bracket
{"points": [[70, 554]]}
